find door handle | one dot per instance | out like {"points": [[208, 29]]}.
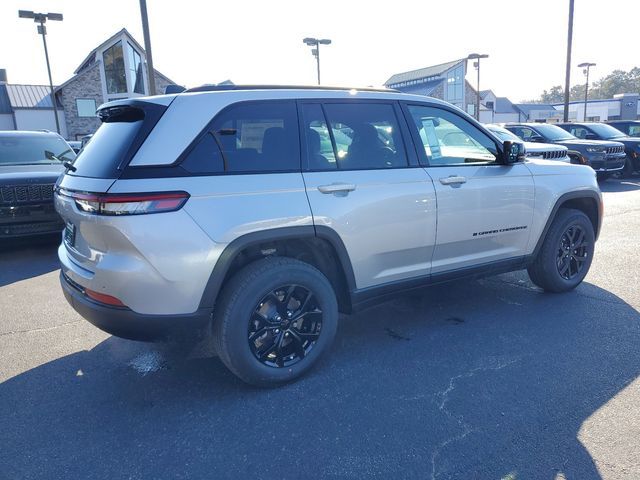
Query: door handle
{"points": [[337, 188], [453, 180]]}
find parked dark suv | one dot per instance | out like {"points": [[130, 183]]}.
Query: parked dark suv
{"points": [[630, 127], [602, 131], [605, 157], [30, 164]]}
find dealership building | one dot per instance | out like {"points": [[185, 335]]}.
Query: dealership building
{"points": [[447, 81], [114, 70]]}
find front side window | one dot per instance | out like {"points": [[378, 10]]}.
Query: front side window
{"points": [[86, 107], [259, 137], [579, 132], [451, 140], [114, 74], [136, 79], [363, 136]]}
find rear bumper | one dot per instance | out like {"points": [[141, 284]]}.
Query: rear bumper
{"points": [[125, 323]]}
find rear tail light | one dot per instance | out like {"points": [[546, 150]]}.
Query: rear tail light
{"points": [[127, 203]]}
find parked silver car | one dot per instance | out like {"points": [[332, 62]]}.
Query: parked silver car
{"points": [[545, 151], [262, 212]]}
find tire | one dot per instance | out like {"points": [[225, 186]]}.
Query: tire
{"points": [[545, 271], [602, 176], [254, 304], [628, 169]]}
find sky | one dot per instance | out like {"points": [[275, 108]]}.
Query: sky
{"points": [[256, 41]]}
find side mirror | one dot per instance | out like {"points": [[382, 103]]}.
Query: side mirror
{"points": [[536, 139], [512, 152], [591, 136]]}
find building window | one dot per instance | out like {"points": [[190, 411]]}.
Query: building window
{"points": [[86, 107], [455, 85], [136, 79], [114, 69]]}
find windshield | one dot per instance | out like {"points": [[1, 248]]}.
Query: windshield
{"points": [[553, 133], [606, 131], [21, 149], [504, 134]]}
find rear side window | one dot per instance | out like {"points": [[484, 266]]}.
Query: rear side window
{"points": [[362, 135], [257, 137]]}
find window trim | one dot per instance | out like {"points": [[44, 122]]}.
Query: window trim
{"points": [[95, 104], [411, 158], [422, 155], [208, 129]]}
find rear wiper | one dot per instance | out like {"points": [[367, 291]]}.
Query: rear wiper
{"points": [[67, 164]]}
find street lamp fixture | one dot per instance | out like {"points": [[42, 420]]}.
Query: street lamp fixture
{"points": [[477, 57], [315, 51], [586, 66], [42, 18]]}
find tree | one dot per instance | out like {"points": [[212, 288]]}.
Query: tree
{"points": [[554, 95], [616, 82]]}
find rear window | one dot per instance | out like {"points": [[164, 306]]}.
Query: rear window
{"points": [[101, 156], [123, 130], [29, 149]]}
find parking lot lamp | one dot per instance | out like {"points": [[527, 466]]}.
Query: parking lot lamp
{"points": [[477, 57], [315, 51], [586, 66], [42, 18]]}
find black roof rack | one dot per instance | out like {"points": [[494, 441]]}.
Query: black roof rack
{"points": [[216, 88]]}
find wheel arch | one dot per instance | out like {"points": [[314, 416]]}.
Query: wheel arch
{"points": [[319, 246], [587, 201]]}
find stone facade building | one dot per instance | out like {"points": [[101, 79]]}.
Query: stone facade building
{"points": [[114, 70]]}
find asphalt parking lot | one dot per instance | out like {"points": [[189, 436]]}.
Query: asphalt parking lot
{"points": [[485, 379]]}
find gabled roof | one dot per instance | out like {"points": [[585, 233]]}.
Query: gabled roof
{"points": [[432, 71], [529, 107], [5, 103], [29, 96], [91, 58], [504, 105], [485, 93]]}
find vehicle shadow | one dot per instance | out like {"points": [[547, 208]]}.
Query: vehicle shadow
{"points": [[621, 185], [26, 258], [476, 379]]}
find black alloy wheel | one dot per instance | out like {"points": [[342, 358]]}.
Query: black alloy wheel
{"points": [[284, 326], [572, 252]]}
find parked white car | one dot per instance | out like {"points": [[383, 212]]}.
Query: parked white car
{"points": [[546, 151]]}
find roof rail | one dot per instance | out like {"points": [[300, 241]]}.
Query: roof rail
{"points": [[217, 88]]}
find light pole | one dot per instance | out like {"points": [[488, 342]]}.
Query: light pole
{"points": [[42, 18], [315, 51], [147, 47], [567, 76], [477, 57], [586, 66]]}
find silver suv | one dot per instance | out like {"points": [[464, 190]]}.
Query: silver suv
{"points": [[263, 212]]}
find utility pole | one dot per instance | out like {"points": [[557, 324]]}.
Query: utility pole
{"points": [[147, 47], [41, 18], [586, 66], [315, 51], [567, 78], [477, 57]]}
